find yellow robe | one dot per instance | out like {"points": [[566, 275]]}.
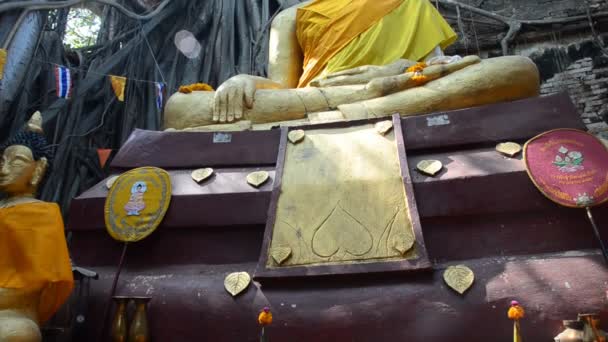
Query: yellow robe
{"points": [[336, 35], [34, 254]]}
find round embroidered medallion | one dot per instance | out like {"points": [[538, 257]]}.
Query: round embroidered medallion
{"points": [[568, 166], [137, 203]]}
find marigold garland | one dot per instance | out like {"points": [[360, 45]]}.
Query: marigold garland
{"points": [[419, 79], [418, 67], [187, 89]]}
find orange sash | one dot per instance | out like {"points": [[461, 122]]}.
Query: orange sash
{"points": [[325, 26], [34, 254]]}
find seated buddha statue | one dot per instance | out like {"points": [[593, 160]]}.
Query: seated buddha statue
{"points": [[352, 59], [35, 270]]}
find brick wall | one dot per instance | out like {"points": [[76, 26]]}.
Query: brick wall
{"points": [[568, 57], [587, 85]]}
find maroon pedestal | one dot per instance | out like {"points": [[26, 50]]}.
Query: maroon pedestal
{"points": [[482, 211]]}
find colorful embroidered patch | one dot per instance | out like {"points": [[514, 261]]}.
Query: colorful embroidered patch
{"points": [[568, 166], [137, 203]]}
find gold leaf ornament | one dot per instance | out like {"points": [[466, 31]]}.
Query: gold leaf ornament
{"points": [[296, 136], [459, 277], [383, 127], [429, 167], [236, 282], [200, 175], [257, 178], [509, 149], [280, 254]]}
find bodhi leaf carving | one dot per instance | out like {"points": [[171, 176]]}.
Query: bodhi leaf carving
{"points": [[200, 175], [384, 127], [236, 282], [257, 178], [296, 136], [459, 277], [429, 167], [509, 149], [280, 254], [111, 181], [340, 231], [402, 243]]}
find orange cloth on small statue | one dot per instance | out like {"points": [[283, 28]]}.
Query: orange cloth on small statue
{"points": [[34, 254], [324, 27]]}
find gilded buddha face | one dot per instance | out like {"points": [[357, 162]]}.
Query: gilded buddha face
{"points": [[20, 173]]}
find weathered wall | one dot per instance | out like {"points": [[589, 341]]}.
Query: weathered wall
{"points": [[569, 57], [586, 80]]}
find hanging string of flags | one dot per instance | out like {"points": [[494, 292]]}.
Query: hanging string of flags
{"points": [[118, 84], [3, 54], [64, 81], [160, 87]]}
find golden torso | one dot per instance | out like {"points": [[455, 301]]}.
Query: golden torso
{"points": [[13, 201], [378, 91]]}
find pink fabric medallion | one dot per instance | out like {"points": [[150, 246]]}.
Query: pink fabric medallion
{"points": [[568, 166]]}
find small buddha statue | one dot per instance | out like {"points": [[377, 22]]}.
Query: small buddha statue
{"points": [[35, 270], [332, 60]]}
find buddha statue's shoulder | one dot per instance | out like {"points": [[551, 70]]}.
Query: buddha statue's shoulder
{"points": [[289, 14], [13, 202], [31, 210]]}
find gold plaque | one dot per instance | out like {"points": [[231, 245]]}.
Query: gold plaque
{"points": [[236, 282], [429, 167], [201, 174], [509, 149], [257, 178], [296, 136], [137, 203], [459, 277]]}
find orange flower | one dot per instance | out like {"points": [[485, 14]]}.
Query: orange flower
{"points": [[516, 312], [187, 89], [265, 317], [418, 67]]}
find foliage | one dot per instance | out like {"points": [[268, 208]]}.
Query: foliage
{"points": [[82, 28]]}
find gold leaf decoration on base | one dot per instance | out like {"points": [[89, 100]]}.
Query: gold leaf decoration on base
{"points": [[111, 181], [384, 127], [280, 254], [429, 167], [257, 178], [509, 149], [236, 282], [459, 277], [200, 175], [402, 243], [296, 136]]}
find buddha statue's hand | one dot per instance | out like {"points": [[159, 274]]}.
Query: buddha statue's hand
{"points": [[232, 96], [235, 95], [362, 74]]}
